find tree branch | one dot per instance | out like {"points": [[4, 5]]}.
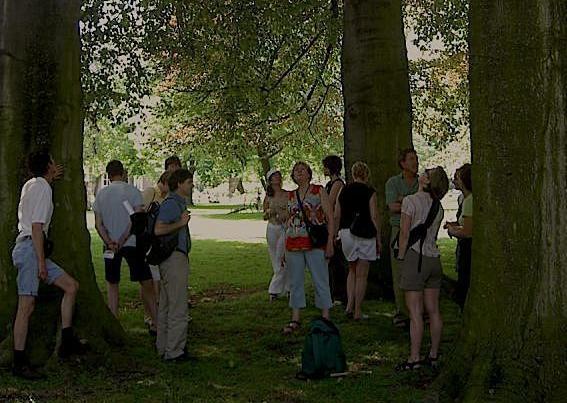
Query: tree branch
{"points": [[295, 62]]}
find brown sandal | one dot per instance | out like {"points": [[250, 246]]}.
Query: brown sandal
{"points": [[291, 327]]}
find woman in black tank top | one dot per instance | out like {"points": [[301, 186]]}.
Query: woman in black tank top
{"points": [[359, 230]]}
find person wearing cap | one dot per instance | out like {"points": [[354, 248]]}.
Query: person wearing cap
{"points": [[112, 222], [275, 212]]}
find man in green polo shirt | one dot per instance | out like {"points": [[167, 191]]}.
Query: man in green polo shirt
{"points": [[398, 187]]}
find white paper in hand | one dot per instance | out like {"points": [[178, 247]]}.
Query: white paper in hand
{"points": [[128, 207]]}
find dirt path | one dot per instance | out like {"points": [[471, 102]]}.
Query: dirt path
{"points": [[202, 227]]}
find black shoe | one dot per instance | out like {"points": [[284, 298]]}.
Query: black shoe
{"points": [[73, 346], [27, 372], [184, 357]]}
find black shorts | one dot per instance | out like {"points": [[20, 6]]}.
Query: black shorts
{"points": [[139, 269]]}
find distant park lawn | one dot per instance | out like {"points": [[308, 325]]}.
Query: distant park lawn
{"points": [[235, 335], [241, 215]]}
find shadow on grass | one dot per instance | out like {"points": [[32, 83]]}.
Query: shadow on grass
{"points": [[241, 354]]}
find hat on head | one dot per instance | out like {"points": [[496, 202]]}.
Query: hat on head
{"points": [[271, 172]]}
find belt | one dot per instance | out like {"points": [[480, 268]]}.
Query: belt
{"points": [[25, 238]]}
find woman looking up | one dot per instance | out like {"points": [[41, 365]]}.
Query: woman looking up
{"points": [[275, 212], [420, 265], [308, 207]]}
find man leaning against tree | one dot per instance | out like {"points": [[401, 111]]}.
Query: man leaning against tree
{"points": [[398, 187], [34, 216]]}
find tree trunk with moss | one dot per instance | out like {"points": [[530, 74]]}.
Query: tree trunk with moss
{"points": [[40, 107], [377, 103], [513, 346]]}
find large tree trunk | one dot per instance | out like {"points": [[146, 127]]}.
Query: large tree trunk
{"points": [[40, 107], [377, 103], [513, 346]]}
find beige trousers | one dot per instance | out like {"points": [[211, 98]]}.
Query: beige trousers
{"points": [[399, 295], [173, 309]]}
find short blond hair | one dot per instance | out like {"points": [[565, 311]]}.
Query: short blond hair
{"points": [[360, 171]]}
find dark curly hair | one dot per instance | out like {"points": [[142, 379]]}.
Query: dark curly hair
{"points": [[38, 162]]}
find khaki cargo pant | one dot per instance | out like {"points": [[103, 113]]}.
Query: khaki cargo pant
{"points": [[399, 295], [173, 309]]}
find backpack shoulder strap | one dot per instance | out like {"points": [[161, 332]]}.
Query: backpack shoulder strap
{"points": [[433, 211]]}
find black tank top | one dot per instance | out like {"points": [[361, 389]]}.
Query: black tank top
{"points": [[330, 184], [354, 199]]}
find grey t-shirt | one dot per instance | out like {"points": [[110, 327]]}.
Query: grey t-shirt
{"points": [[109, 206], [417, 207]]}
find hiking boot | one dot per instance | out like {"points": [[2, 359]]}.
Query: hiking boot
{"points": [[27, 372], [72, 346]]}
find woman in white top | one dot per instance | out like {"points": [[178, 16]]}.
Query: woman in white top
{"points": [[420, 266], [275, 212]]}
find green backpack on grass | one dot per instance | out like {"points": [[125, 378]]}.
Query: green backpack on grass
{"points": [[322, 353]]}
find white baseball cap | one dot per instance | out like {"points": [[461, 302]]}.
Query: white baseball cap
{"points": [[271, 172]]}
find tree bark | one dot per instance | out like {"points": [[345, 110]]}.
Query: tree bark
{"points": [[40, 107], [513, 346], [377, 103]]}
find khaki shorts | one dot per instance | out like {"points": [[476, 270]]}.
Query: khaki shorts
{"points": [[429, 277]]}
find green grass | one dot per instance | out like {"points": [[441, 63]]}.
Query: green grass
{"points": [[241, 215], [215, 206], [241, 355]]}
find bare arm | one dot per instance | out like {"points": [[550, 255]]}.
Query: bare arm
{"points": [[405, 226], [334, 195], [102, 232], [395, 207], [266, 208], [373, 204], [462, 231], [37, 240], [330, 223], [337, 217]]}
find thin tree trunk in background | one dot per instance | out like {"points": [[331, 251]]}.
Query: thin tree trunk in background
{"points": [[40, 107], [377, 103], [513, 346]]}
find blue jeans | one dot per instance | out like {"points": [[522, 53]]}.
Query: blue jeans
{"points": [[315, 260], [25, 260]]}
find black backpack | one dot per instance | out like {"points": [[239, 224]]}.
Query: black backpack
{"points": [[155, 248], [418, 233]]}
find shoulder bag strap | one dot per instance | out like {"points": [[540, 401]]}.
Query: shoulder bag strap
{"points": [[433, 211]]}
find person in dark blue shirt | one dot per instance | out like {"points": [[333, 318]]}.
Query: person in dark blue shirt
{"points": [[173, 219]]}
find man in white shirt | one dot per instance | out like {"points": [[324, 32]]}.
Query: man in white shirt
{"points": [[112, 221], [29, 257]]}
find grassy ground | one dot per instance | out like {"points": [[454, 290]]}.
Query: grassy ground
{"points": [[214, 206], [241, 355], [241, 215]]}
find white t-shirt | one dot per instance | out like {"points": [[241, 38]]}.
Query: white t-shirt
{"points": [[109, 205], [417, 207], [36, 206]]}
